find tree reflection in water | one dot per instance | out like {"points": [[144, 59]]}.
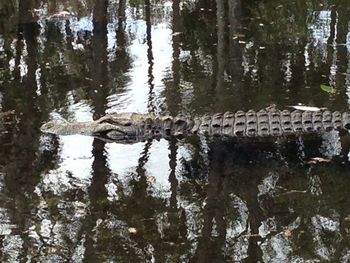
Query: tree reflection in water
{"points": [[79, 199]]}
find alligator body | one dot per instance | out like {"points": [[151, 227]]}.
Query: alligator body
{"points": [[133, 127]]}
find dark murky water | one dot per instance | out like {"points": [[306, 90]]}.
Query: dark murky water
{"points": [[78, 199]]}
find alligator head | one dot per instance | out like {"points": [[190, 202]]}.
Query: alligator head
{"points": [[124, 127]]}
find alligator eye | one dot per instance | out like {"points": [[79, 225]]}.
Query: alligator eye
{"points": [[47, 126]]}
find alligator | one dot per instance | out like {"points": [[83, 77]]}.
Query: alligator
{"points": [[133, 127]]}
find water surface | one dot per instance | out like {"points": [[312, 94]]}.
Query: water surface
{"points": [[78, 199]]}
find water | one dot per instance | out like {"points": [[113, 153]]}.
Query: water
{"points": [[79, 199]]}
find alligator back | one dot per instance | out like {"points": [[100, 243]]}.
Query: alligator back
{"points": [[271, 123], [132, 127]]}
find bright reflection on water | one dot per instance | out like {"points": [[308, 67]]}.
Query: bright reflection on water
{"points": [[78, 199]]}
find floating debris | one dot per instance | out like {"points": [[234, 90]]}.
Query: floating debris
{"points": [[328, 89], [315, 160], [132, 230], [151, 179], [7, 113], [306, 108], [287, 233], [239, 35], [251, 236], [60, 15], [176, 34]]}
